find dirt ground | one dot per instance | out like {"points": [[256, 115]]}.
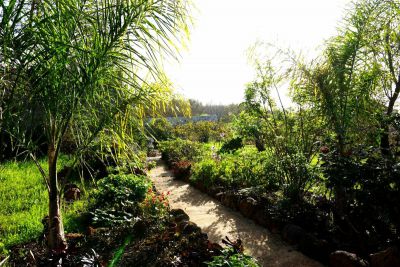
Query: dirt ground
{"points": [[218, 221]]}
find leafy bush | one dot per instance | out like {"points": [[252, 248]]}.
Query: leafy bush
{"points": [[249, 169], [206, 171], [118, 197], [151, 164], [178, 150], [240, 170], [182, 169], [294, 174], [231, 258], [121, 188], [155, 205], [372, 186], [231, 145]]}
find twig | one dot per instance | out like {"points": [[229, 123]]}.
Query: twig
{"points": [[41, 171], [4, 261]]}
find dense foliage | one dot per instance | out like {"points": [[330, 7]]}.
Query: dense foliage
{"points": [[231, 258], [117, 198], [178, 150]]}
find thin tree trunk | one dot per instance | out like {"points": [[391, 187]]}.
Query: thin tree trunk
{"points": [[56, 238], [340, 191], [385, 144]]}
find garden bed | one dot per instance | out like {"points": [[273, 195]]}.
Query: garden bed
{"points": [[305, 224], [174, 241]]}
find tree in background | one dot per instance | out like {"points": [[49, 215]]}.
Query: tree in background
{"points": [[351, 84], [80, 65], [288, 135], [383, 46]]}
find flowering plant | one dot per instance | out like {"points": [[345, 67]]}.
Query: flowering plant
{"points": [[156, 205]]}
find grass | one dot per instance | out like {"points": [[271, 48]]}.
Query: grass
{"points": [[24, 203]]}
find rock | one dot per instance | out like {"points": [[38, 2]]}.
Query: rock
{"points": [[72, 193], [219, 196], [315, 248], [342, 258], [248, 206], [179, 215], [229, 200], [260, 217], [200, 186], [190, 227], [214, 247], [213, 191], [389, 257], [293, 234]]}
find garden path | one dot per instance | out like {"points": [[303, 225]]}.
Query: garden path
{"points": [[219, 221]]}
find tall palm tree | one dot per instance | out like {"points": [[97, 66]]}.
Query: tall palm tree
{"points": [[86, 60]]}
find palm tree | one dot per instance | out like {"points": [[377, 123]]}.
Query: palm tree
{"points": [[85, 60]]}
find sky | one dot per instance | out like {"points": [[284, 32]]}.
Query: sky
{"points": [[214, 67]]}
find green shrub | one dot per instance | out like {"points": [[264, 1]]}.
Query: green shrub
{"points": [[206, 171], [230, 258], [178, 150], [118, 197], [294, 174], [246, 168], [249, 168], [231, 145], [119, 188]]}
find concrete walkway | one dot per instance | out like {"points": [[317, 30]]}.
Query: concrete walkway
{"points": [[218, 221]]}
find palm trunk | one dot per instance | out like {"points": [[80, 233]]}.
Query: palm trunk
{"points": [[340, 191], [56, 239]]}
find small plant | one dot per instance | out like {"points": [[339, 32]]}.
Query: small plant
{"points": [[182, 169], [206, 171], [231, 258], [156, 205], [151, 165], [3, 250], [91, 259], [177, 150], [117, 199], [119, 188]]}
